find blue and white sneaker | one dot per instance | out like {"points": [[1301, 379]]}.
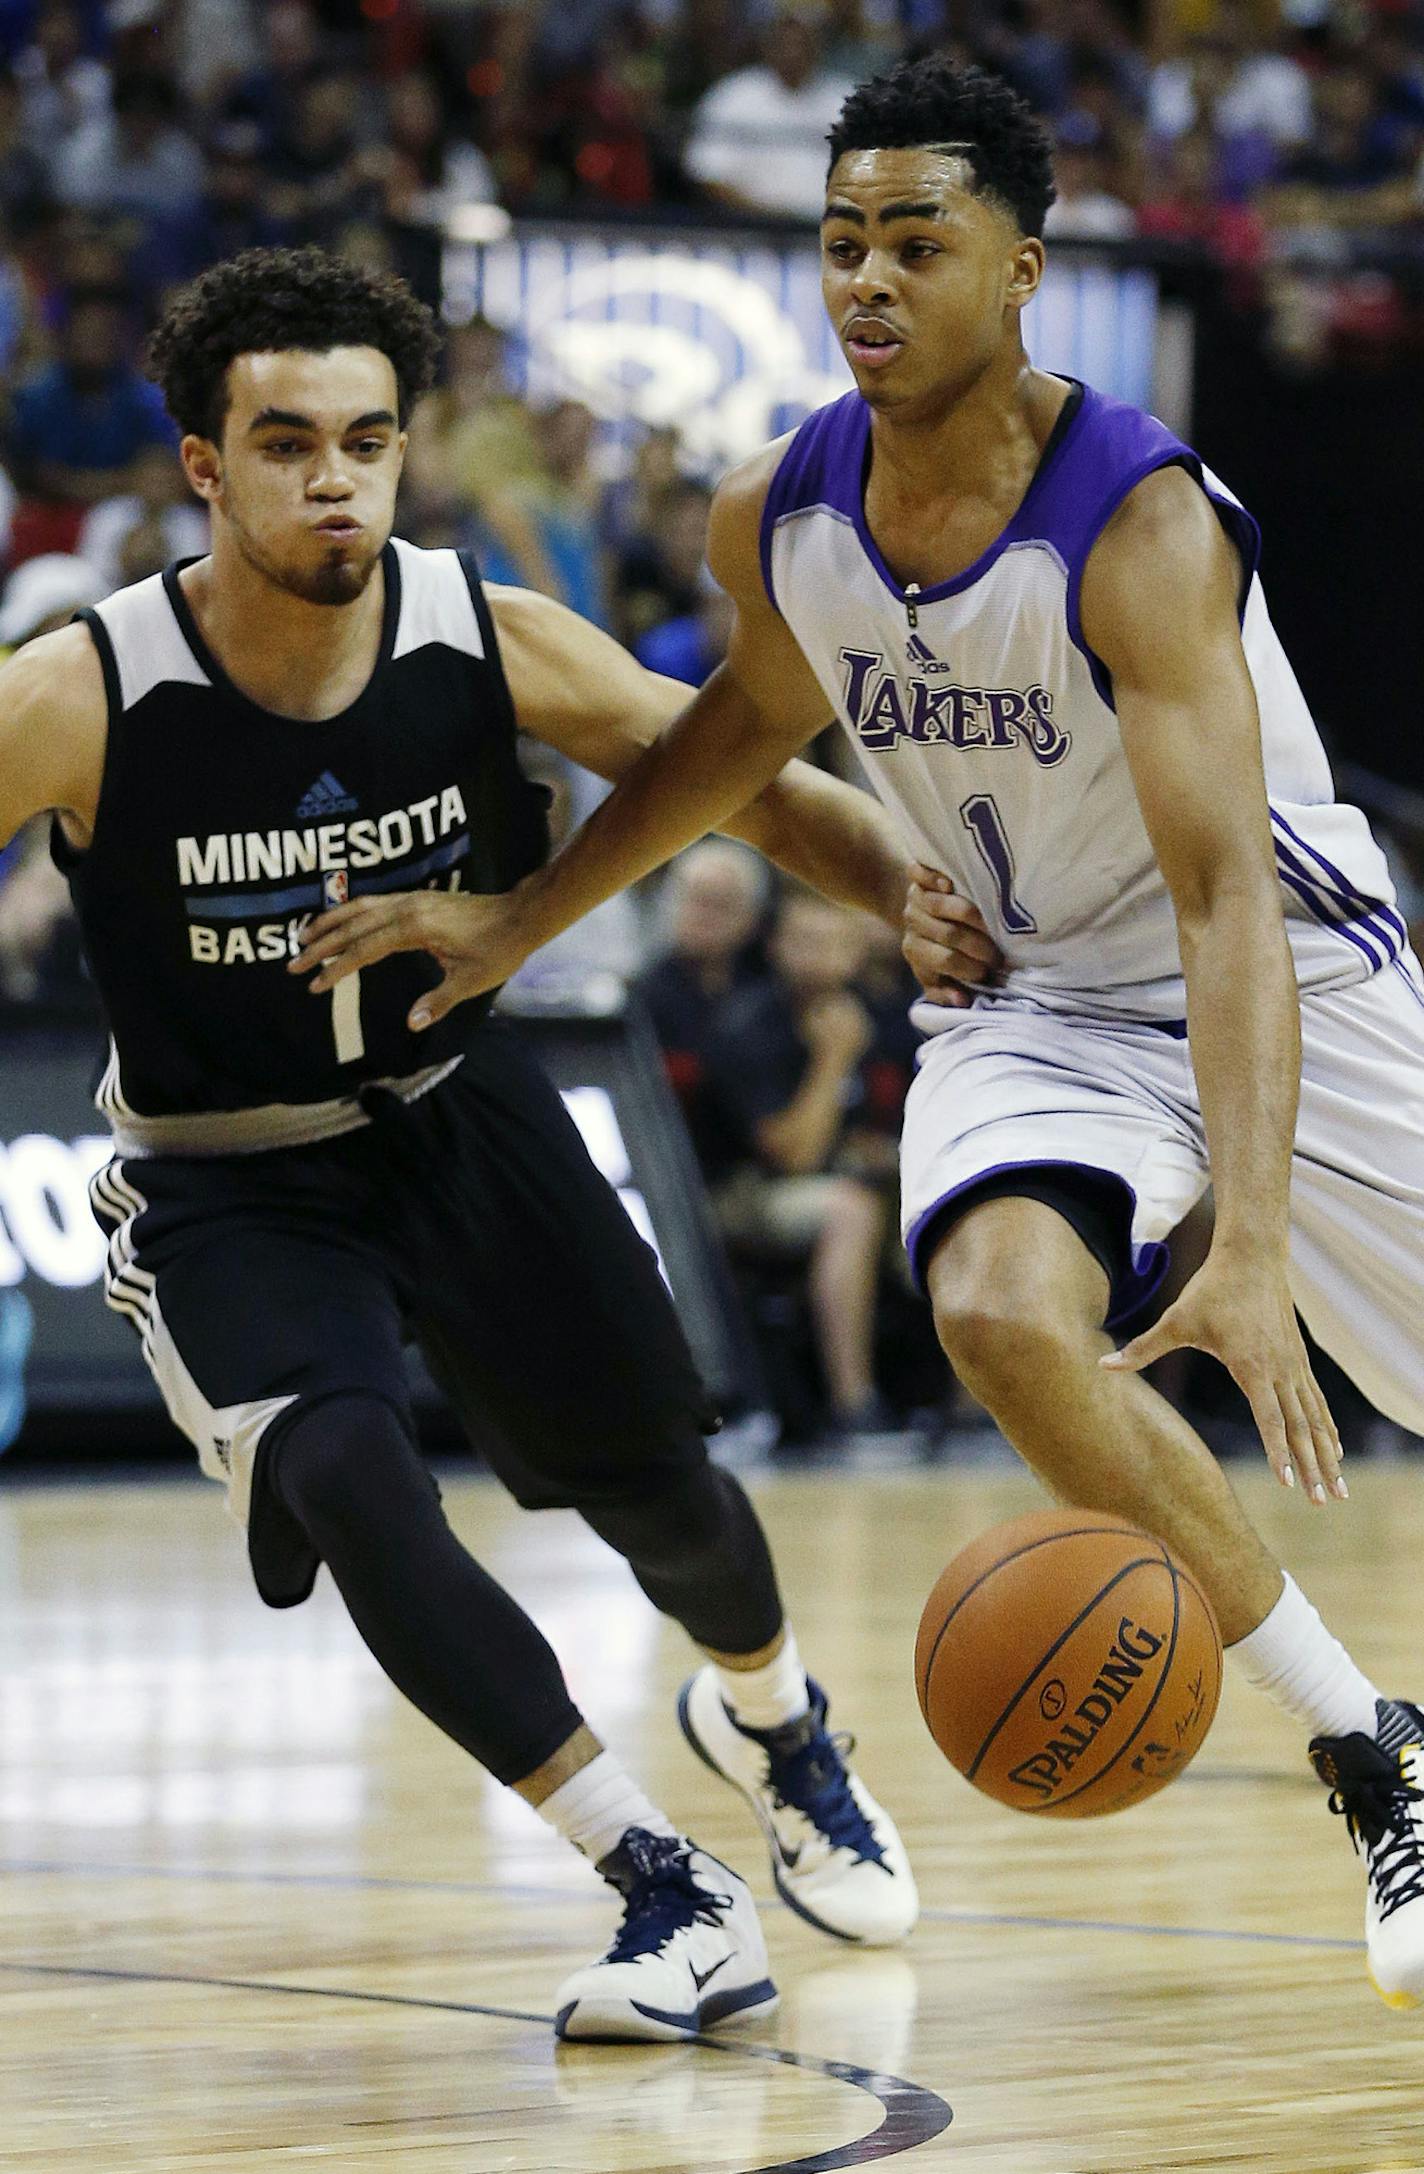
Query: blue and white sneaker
{"points": [[689, 1952], [1377, 1784], [835, 1855]]}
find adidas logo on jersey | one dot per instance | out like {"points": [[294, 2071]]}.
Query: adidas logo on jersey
{"points": [[922, 657], [327, 797]]}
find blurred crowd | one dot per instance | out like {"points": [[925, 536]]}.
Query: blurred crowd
{"points": [[141, 140]]}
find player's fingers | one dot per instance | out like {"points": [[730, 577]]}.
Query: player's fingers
{"points": [[929, 879], [943, 909], [1259, 1389], [323, 939], [1329, 1451], [1154, 1343], [332, 917], [433, 1005], [1300, 1437], [363, 951], [943, 942]]}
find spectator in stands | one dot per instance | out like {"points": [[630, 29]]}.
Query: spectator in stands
{"points": [[26, 194], [79, 426], [758, 141], [1086, 208], [134, 161], [429, 170], [145, 528], [633, 504], [229, 215], [543, 527], [62, 86], [1353, 146], [1255, 101], [691, 645], [784, 1065], [1184, 203], [659, 570], [713, 902], [322, 175], [291, 54]]}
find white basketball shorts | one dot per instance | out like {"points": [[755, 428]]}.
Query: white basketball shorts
{"points": [[1009, 1085]]}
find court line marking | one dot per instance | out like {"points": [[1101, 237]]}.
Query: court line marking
{"points": [[563, 1896], [911, 2114]]}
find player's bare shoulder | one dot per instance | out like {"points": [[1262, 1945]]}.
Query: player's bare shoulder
{"points": [[734, 530], [1163, 563], [53, 729]]}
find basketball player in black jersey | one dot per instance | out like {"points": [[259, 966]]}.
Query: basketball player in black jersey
{"points": [[312, 713]]}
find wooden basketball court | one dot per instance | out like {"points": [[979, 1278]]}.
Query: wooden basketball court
{"points": [[259, 1914]]}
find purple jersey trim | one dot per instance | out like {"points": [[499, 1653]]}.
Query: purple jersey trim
{"points": [[1100, 453], [1131, 1290], [820, 467]]}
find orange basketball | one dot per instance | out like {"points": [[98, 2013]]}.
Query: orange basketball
{"points": [[1066, 1663]]}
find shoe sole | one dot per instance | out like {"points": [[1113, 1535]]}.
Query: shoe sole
{"points": [[612, 2023], [1398, 2001], [793, 1902]]}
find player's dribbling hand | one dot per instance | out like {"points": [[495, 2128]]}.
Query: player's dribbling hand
{"points": [[1244, 1316], [476, 941], [946, 945]]}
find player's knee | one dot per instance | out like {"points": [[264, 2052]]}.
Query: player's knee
{"points": [[1005, 1338], [338, 1454]]}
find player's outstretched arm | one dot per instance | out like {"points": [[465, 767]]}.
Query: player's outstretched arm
{"points": [[683, 768], [579, 691], [52, 727], [1159, 606]]}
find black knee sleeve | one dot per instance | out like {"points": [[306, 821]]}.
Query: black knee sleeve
{"points": [[445, 1633], [697, 1549]]}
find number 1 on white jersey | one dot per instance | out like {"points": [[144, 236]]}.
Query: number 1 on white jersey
{"points": [[980, 817], [346, 1019]]}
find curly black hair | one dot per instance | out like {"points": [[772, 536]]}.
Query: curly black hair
{"points": [[268, 299], [937, 105]]}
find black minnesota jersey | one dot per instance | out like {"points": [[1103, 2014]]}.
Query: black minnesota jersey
{"points": [[222, 829]]}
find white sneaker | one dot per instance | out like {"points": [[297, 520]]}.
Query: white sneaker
{"points": [[689, 1952], [1378, 1785], [835, 1855]]}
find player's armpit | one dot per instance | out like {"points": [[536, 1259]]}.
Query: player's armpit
{"points": [[53, 724]]}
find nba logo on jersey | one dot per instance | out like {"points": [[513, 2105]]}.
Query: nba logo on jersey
{"points": [[335, 887]]}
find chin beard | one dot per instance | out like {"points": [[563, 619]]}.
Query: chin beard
{"points": [[339, 582]]}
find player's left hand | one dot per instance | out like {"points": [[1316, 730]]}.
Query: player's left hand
{"points": [[1243, 1315], [477, 942], [945, 943]]}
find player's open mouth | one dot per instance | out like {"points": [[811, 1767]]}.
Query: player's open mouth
{"points": [[338, 528], [872, 345]]}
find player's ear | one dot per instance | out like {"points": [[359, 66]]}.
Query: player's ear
{"points": [[202, 465], [1025, 270]]}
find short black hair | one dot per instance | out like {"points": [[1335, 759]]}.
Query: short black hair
{"points": [[935, 104], [268, 299]]}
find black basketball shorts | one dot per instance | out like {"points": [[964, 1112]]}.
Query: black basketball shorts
{"points": [[472, 1222]]}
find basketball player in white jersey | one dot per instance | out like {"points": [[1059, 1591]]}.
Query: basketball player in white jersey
{"points": [[1038, 618]]}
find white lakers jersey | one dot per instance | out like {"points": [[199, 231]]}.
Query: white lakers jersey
{"points": [[986, 724]]}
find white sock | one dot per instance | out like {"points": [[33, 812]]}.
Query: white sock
{"points": [[595, 1808], [766, 1697], [1294, 1658]]}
